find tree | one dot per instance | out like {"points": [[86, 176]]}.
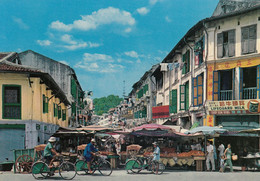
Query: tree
{"points": [[103, 104]]}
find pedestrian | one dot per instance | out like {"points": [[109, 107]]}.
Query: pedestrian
{"points": [[156, 155], [228, 158], [221, 149], [210, 157], [244, 161], [222, 163]]}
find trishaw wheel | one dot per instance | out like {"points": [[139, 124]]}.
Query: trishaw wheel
{"points": [[105, 168], [40, 170], [158, 167], [81, 167], [67, 170], [23, 164], [137, 166]]}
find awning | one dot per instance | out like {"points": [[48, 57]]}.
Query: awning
{"points": [[160, 112]]}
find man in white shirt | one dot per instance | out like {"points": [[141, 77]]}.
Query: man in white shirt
{"points": [[210, 157]]}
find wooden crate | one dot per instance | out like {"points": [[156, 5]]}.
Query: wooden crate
{"points": [[199, 165]]}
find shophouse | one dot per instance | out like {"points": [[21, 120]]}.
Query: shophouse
{"points": [[65, 77], [33, 106]]}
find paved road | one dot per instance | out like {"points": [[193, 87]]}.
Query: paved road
{"points": [[120, 175]]}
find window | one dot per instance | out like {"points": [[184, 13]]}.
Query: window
{"points": [[59, 112], [45, 104], [186, 62], [226, 44], [199, 50], [248, 39], [11, 102], [55, 110], [184, 96], [173, 101], [63, 114], [198, 90]]}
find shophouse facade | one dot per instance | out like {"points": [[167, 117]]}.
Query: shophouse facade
{"points": [[33, 107], [233, 76], [65, 77]]}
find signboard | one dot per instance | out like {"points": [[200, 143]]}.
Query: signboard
{"points": [[234, 107], [160, 112]]}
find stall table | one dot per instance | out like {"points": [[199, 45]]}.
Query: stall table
{"points": [[199, 162]]}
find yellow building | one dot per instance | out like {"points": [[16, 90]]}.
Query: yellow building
{"points": [[32, 107]]}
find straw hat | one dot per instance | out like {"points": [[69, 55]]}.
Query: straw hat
{"points": [[155, 143], [52, 139]]}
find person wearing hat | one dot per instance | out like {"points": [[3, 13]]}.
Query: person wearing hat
{"points": [[90, 152], [49, 151], [156, 154]]}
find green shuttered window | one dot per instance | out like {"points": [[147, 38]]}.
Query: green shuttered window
{"points": [[45, 104], [11, 102], [173, 101]]}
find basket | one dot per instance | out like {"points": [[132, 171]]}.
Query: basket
{"points": [[40, 147], [81, 147], [234, 157]]}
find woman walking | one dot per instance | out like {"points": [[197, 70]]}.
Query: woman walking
{"points": [[228, 158]]}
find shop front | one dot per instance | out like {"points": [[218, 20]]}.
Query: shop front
{"points": [[237, 115]]}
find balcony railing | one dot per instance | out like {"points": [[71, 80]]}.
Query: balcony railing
{"points": [[226, 95], [249, 93]]}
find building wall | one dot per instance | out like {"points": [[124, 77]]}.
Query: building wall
{"points": [[32, 99], [230, 23]]}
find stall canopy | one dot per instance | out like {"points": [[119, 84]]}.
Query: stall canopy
{"points": [[68, 131], [151, 127], [207, 130], [94, 128]]}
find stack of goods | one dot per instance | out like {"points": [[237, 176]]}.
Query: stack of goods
{"points": [[197, 153], [164, 161], [122, 153]]}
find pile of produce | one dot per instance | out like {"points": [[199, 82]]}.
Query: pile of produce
{"points": [[122, 153], [168, 155], [168, 150], [147, 154], [191, 154]]}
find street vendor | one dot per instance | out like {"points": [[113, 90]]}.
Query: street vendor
{"points": [[89, 153], [49, 152]]}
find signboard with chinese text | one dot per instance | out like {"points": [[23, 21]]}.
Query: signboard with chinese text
{"points": [[234, 107]]}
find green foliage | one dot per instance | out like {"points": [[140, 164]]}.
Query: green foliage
{"points": [[103, 104]]}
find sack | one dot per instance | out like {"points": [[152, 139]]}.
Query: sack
{"points": [[234, 157]]}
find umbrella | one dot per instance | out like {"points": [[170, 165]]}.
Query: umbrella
{"points": [[206, 130], [151, 127]]}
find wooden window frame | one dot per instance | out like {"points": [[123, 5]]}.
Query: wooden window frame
{"points": [[11, 104]]}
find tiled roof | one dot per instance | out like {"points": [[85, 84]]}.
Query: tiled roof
{"points": [[2, 55], [16, 68]]}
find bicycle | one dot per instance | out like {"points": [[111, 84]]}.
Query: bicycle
{"points": [[41, 170], [99, 163], [136, 165]]}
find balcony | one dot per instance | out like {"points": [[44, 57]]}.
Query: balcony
{"points": [[226, 95], [249, 93]]}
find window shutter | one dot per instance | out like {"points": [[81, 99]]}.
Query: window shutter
{"points": [[252, 39], [258, 81], [182, 97], [200, 90], [244, 41], [187, 96], [215, 85], [220, 45], [195, 92], [46, 104], [231, 43], [59, 112], [184, 63], [43, 103], [174, 101], [188, 60]]}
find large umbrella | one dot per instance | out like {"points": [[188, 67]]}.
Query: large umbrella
{"points": [[206, 130], [151, 127]]}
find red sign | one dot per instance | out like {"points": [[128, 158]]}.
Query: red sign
{"points": [[160, 112]]}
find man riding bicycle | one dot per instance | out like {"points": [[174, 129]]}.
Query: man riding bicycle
{"points": [[89, 153], [49, 152]]}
